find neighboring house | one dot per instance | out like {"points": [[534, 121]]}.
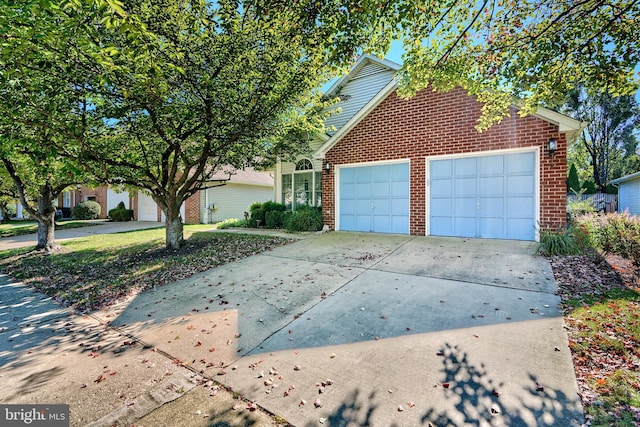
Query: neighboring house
{"points": [[107, 197], [419, 167], [628, 193], [230, 199]]}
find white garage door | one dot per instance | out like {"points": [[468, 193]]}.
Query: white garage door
{"points": [[486, 196], [147, 208], [375, 198]]}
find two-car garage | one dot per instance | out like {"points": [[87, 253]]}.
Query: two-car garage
{"points": [[486, 196]]}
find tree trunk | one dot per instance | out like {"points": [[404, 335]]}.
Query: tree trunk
{"points": [[46, 217], [5, 213], [174, 228], [46, 234]]}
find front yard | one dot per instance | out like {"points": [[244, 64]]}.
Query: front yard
{"points": [[600, 297]]}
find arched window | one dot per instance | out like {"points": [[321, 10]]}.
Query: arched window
{"points": [[303, 187], [304, 165]]}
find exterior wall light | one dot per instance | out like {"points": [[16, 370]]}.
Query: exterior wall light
{"points": [[327, 167], [552, 148]]}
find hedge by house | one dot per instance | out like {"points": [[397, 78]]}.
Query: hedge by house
{"points": [[120, 213], [87, 210]]}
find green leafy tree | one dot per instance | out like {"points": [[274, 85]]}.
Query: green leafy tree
{"points": [[42, 109], [573, 182], [609, 137], [187, 89], [8, 194]]}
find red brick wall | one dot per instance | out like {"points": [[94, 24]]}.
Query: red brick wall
{"points": [[431, 124], [192, 209]]}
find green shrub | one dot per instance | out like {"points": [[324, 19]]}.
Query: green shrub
{"points": [[260, 211], [305, 219], [121, 213], [87, 210], [256, 214], [11, 210], [276, 219], [230, 223], [612, 233], [560, 242]]}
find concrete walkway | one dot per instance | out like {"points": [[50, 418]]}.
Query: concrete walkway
{"points": [[334, 329]]}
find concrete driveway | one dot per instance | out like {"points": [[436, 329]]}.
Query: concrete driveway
{"points": [[362, 329]]}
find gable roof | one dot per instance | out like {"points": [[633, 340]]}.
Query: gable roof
{"points": [[366, 78], [357, 68], [626, 178], [566, 124]]}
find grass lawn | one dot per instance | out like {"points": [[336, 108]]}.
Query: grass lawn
{"points": [[95, 271], [18, 228]]}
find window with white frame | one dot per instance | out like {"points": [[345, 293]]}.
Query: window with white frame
{"points": [[303, 187], [66, 199]]}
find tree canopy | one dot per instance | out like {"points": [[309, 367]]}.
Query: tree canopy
{"points": [[609, 138], [533, 50]]}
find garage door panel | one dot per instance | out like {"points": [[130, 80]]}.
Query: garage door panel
{"points": [[491, 185], [520, 185], [465, 206], [441, 187], [484, 196], [400, 224], [363, 175], [464, 227], [441, 169], [520, 207], [465, 186], [521, 229], [381, 189], [490, 166], [521, 163], [465, 167], [382, 207], [492, 207], [400, 190], [442, 226], [381, 174], [362, 224], [492, 228]]}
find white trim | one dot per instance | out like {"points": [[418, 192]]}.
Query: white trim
{"points": [[537, 172], [625, 178], [336, 184]]}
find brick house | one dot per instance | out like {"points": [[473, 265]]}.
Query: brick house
{"points": [[419, 166]]}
